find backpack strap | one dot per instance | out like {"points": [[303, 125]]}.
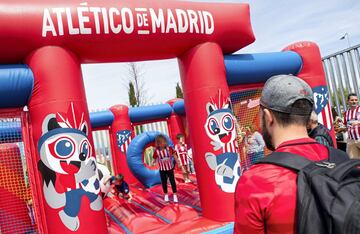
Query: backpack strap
{"points": [[337, 156], [288, 160], [341, 171]]}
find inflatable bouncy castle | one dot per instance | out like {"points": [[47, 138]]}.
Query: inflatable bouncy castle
{"points": [[43, 44]]}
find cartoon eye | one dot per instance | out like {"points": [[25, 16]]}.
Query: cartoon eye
{"points": [[213, 126], [63, 148], [85, 148], [227, 122]]}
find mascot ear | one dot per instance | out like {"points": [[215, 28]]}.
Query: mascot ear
{"points": [[84, 128], [228, 106], [49, 123], [210, 108]]}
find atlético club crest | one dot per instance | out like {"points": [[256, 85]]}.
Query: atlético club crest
{"points": [[321, 105], [123, 139]]}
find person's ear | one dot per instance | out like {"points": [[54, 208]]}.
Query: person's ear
{"points": [[268, 117]]}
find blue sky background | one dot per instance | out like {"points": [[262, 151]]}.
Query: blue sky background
{"points": [[276, 24]]}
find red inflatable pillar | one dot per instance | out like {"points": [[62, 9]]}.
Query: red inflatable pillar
{"points": [[67, 181], [175, 123], [313, 73], [121, 133], [212, 129]]}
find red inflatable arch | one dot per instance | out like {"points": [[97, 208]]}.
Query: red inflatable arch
{"points": [[53, 38]]}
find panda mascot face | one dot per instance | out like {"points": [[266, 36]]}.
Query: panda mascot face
{"points": [[220, 125], [63, 150]]}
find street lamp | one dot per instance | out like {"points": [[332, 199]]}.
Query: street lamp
{"points": [[347, 36]]}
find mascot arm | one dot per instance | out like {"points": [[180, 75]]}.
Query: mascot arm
{"points": [[87, 171], [216, 144]]}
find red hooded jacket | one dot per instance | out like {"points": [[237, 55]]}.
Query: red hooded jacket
{"points": [[265, 196]]}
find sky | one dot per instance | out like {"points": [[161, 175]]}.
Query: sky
{"points": [[276, 24]]}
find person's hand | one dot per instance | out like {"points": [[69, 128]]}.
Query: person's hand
{"points": [[355, 123]]}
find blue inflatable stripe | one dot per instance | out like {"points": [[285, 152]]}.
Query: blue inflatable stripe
{"points": [[227, 229], [127, 231], [258, 68], [147, 113], [135, 161], [179, 107], [16, 85], [101, 119]]}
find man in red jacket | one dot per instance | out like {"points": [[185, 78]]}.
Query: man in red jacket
{"points": [[265, 197]]}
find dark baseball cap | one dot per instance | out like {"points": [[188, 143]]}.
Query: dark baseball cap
{"points": [[282, 91]]}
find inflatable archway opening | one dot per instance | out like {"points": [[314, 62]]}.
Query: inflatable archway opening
{"points": [[147, 157], [148, 177]]}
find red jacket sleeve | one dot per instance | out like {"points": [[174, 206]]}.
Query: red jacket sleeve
{"points": [[345, 122]]}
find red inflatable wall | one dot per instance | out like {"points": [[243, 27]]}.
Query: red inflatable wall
{"points": [[114, 31], [121, 133], [67, 180], [313, 73]]}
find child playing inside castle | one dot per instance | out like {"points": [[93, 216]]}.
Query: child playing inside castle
{"points": [[183, 157], [120, 187], [163, 155]]}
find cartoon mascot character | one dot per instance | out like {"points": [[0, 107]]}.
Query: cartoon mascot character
{"points": [[220, 128], [68, 169]]}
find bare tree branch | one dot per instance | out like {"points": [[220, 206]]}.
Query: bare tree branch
{"points": [[135, 75]]}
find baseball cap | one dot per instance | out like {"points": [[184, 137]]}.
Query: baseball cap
{"points": [[282, 91]]}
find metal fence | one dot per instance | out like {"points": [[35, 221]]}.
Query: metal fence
{"points": [[342, 71]]}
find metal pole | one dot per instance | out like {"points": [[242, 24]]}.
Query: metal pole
{"points": [[328, 82], [344, 74], [328, 65], [357, 62], [352, 71], [338, 78], [348, 39]]}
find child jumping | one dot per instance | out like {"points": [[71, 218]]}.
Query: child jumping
{"points": [[164, 154], [183, 158]]}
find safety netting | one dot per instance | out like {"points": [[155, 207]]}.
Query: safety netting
{"points": [[245, 105], [17, 213]]}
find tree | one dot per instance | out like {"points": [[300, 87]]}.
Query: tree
{"points": [[136, 87], [132, 97], [179, 92]]}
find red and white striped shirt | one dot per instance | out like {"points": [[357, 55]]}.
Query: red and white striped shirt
{"points": [[165, 158], [181, 151], [349, 117]]}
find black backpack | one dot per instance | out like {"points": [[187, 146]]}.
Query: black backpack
{"points": [[328, 192]]}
